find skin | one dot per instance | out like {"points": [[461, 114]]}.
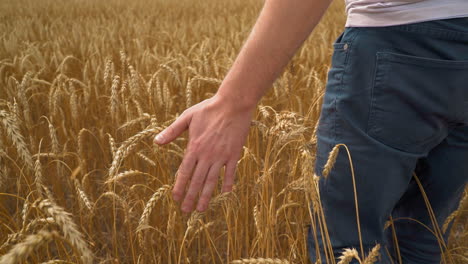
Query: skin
{"points": [[218, 126]]}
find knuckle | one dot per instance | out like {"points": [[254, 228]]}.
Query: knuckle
{"points": [[219, 151], [204, 201], [170, 130], [235, 156], [195, 146], [211, 180], [182, 173], [189, 197], [208, 156], [226, 155]]}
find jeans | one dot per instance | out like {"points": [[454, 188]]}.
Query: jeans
{"points": [[397, 97]]}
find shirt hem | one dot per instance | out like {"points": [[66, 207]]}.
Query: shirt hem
{"points": [[381, 18]]}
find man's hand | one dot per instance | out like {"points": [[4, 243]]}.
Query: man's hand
{"points": [[218, 128], [219, 125]]}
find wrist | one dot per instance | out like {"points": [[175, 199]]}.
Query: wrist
{"points": [[233, 99]]}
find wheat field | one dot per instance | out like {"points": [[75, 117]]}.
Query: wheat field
{"points": [[84, 87]]}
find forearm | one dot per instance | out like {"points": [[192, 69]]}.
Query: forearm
{"points": [[281, 28]]}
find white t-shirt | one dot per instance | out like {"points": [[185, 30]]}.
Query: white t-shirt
{"points": [[375, 13]]}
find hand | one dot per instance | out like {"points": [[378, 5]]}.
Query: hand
{"points": [[218, 128]]}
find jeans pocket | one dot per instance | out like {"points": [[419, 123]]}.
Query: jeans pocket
{"points": [[412, 99]]}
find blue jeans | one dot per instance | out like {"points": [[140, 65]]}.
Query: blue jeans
{"points": [[397, 97]]}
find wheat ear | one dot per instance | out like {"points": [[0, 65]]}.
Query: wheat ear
{"points": [[68, 227], [161, 192], [261, 261], [348, 255], [373, 256], [22, 250], [13, 131], [331, 161]]}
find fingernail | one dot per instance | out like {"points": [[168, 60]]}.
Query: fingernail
{"points": [[159, 138]]}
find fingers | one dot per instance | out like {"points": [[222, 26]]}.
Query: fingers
{"points": [[229, 176], [196, 183], [173, 130], [210, 184], [183, 174]]}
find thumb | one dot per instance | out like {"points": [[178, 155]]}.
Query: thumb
{"points": [[173, 130]]}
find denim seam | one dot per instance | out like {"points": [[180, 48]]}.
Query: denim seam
{"points": [[405, 59], [371, 99], [355, 32], [430, 31]]}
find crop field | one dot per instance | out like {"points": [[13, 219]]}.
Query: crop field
{"points": [[86, 85]]}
